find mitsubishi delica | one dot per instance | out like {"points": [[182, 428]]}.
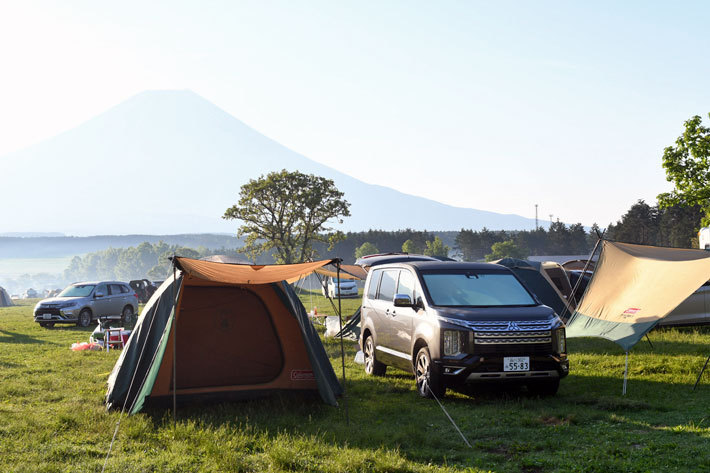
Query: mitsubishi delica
{"points": [[456, 323]]}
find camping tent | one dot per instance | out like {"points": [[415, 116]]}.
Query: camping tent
{"points": [[222, 331], [532, 274], [635, 286], [5, 300]]}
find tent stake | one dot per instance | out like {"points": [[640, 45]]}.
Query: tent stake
{"points": [[701, 373], [626, 373], [342, 349]]}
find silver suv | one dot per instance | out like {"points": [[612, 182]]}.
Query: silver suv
{"points": [[83, 302]]}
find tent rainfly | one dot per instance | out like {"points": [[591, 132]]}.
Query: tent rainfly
{"points": [[222, 331], [5, 300]]}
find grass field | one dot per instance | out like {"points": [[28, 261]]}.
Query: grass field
{"points": [[52, 417]]}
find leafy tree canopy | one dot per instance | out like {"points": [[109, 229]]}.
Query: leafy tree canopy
{"points": [[506, 249], [287, 212], [366, 248], [410, 247], [687, 166], [436, 248]]}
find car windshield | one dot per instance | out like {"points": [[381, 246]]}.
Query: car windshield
{"points": [[476, 289], [79, 290]]}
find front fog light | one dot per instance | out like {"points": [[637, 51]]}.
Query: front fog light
{"points": [[452, 342]]}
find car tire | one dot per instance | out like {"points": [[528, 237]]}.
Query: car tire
{"points": [[546, 387], [127, 315], [84, 318], [372, 366], [427, 376]]}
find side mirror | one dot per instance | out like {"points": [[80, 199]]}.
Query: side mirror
{"points": [[402, 300], [98, 294]]}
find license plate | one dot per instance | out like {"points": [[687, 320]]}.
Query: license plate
{"points": [[47, 316], [516, 363]]}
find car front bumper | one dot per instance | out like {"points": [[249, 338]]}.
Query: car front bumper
{"points": [[489, 368]]}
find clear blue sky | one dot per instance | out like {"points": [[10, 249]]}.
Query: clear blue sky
{"points": [[489, 105]]}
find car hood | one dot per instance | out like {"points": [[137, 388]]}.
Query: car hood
{"points": [[540, 312], [60, 300]]}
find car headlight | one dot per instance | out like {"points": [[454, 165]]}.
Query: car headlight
{"points": [[561, 340], [452, 342]]}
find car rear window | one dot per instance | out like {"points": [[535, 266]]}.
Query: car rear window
{"points": [[476, 289]]}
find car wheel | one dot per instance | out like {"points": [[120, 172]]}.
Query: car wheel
{"points": [[546, 387], [429, 382], [84, 318], [127, 316], [372, 366]]}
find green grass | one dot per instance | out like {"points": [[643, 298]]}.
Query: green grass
{"points": [[52, 417]]}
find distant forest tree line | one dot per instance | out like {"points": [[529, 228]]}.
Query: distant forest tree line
{"points": [[673, 226]]}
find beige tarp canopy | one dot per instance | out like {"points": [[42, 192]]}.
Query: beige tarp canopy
{"points": [[347, 271], [634, 287], [247, 274]]}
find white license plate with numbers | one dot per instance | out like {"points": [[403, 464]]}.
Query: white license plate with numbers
{"points": [[47, 316], [516, 363]]}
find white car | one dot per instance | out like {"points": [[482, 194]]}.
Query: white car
{"points": [[345, 288]]}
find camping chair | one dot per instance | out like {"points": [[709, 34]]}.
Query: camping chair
{"points": [[112, 336]]}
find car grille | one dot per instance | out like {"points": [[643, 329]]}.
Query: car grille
{"points": [[512, 336], [47, 310]]}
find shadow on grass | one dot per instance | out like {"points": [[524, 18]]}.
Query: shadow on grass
{"points": [[503, 425], [14, 337]]}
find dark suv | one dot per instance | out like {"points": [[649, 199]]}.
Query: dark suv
{"points": [[455, 323]]}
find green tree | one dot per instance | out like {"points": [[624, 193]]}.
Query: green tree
{"points": [[687, 166], [506, 249], [287, 212], [366, 248], [436, 248], [410, 247]]}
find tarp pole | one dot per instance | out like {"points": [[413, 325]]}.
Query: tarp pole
{"points": [[579, 281], [342, 348], [174, 349], [626, 374], [701, 373]]}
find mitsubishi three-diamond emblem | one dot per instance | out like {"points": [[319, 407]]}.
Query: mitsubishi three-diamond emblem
{"points": [[512, 327]]}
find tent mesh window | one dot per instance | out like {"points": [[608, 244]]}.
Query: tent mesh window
{"points": [[225, 337]]}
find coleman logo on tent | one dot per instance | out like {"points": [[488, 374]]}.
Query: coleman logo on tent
{"points": [[302, 375], [513, 327], [630, 312]]}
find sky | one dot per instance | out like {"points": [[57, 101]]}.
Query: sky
{"points": [[489, 105]]}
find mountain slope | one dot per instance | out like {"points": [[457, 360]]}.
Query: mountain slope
{"points": [[172, 162]]}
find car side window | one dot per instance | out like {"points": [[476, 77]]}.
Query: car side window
{"points": [[124, 289], [406, 284], [388, 284], [114, 289], [374, 282], [102, 288]]}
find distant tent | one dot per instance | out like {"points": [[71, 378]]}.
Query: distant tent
{"points": [[633, 288], [531, 273], [241, 332], [5, 300]]}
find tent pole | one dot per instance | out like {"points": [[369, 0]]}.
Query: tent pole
{"points": [[649, 341], [626, 373], [701, 373], [174, 349], [342, 349], [579, 281]]}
